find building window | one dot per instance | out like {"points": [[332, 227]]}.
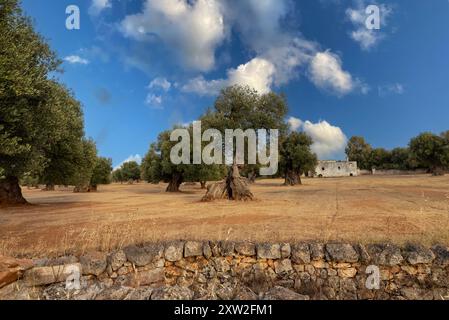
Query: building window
{"points": [[322, 168], [339, 168]]}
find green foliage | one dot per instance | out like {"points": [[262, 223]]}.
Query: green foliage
{"points": [[379, 158], [359, 150], [236, 107], [431, 151], [151, 166], [157, 166], [29, 120], [240, 107], [85, 163], [62, 155], [117, 175], [130, 171], [296, 155], [102, 172], [402, 159]]}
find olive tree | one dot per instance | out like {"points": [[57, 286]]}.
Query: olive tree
{"points": [[240, 107], [30, 121], [101, 173], [296, 157], [157, 166]]}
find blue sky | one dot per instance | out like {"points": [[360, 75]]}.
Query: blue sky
{"points": [[141, 66]]}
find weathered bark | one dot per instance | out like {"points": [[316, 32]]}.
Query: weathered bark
{"points": [[292, 178], [252, 177], [175, 183], [10, 192], [49, 187], [203, 184], [83, 189], [438, 171], [234, 187]]}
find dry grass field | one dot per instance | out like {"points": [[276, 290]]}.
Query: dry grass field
{"points": [[360, 209]]}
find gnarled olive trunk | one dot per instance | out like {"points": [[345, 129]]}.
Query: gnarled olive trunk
{"points": [[292, 178], [10, 192], [203, 184], [235, 187], [85, 189], [175, 183], [49, 187], [252, 177], [437, 171]]}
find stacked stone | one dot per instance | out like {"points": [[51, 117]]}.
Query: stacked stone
{"points": [[241, 271]]}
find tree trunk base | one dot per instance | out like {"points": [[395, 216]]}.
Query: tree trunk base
{"points": [[11, 193], [174, 184], [85, 189], [49, 187], [252, 177], [437, 172], [234, 187], [292, 179]]}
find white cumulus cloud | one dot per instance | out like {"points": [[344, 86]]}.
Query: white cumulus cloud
{"points": [[328, 141], [294, 123], [191, 29], [74, 59], [161, 83], [98, 6], [154, 101], [367, 38], [275, 67], [257, 73], [327, 73]]}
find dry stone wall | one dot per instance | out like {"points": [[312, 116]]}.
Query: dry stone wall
{"points": [[234, 270]]}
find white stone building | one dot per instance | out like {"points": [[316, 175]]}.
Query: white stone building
{"points": [[333, 169]]}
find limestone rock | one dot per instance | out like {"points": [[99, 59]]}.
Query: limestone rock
{"points": [[221, 264], [117, 259], [225, 291], [227, 248], [113, 293], [94, 263], [347, 273], [385, 255], [268, 251], [11, 269], [174, 251], [139, 294], [56, 261], [172, 293], [363, 253], [282, 267], [417, 254], [207, 251], [246, 248], [193, 249], [142, 256], [145, 278], [442, 255], [316, 251], [245, 293], [40, 276], [286, 250], [300, 253], [338, 252], [281, 293], [416, 294]]}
